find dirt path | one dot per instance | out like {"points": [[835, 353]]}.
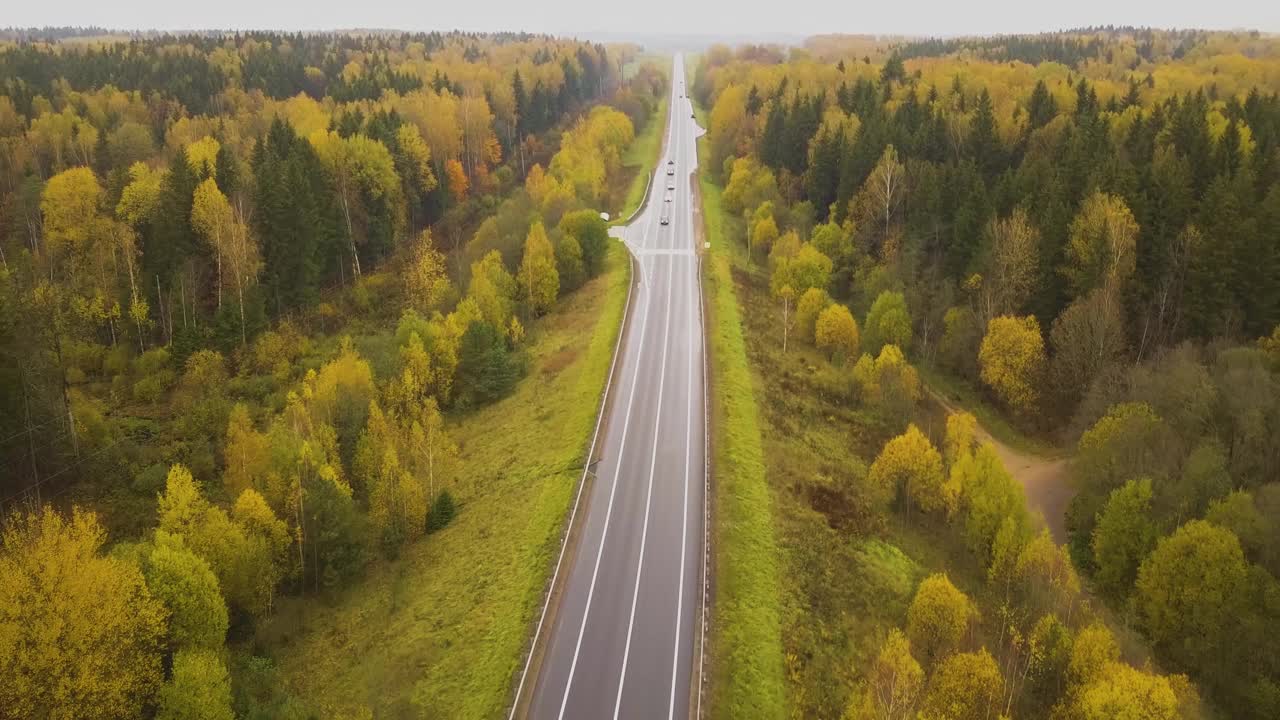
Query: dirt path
{"points": [[1043, 479]]}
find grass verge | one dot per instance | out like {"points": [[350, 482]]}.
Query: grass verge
{"points": [[640, 158], [745, 649], [440, 631]]}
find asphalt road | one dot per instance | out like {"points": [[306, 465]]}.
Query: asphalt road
{"points": [[622, 642]]}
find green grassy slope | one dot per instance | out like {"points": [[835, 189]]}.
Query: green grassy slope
{"points": [[745, 659], [440, 631]]}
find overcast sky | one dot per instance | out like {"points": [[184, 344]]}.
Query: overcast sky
{"points": [[702, 17]]}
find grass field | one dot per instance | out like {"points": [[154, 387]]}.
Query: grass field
{"points": [[816, 598], [745, 648], [441, 631], [845, 575]]}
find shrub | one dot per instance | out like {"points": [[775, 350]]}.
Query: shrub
{"points": [[810, 305], [888, 322], [442, 512], [837, 332]]}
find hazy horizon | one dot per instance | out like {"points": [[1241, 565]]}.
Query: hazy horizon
{"points": [[717, 18]]}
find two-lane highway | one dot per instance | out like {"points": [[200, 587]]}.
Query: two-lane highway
{"points": [[621, 644]]}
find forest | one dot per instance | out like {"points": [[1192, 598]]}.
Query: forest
{"points": [[251, 286], [1077, 233]]}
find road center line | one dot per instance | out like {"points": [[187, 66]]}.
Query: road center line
{"points": [[684, 521], [617, 468], [648, 503]]}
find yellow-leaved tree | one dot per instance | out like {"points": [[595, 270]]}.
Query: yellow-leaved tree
{"points": [[938, 617], [217, 222], [493, 291], [836, 332], [966, 686], [425, 281], [893, 685], [888, 382], [730, 125], [538, 278], [1012, 360], [414, 161], [83, 250], [908, 460], [202, 155], [1120, 691], [808, 308], [200, 688], [961, 436], [80, 634], [247, 454], [363, 171], [397, 500], [764, 233], [1101, 251]]}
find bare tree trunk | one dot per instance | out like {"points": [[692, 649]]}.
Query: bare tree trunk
{"points": [[62, 383], [351, 236], [240, 293], [33, 236], [182, 298], [431, 471], [786, 303], [31, 438], [160, 309], [133, 299], [302, 522]]}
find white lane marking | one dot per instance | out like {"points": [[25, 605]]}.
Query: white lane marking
{"points": [[693, 323], [684, 520], [706, 493], [663, 251], [642, 247], [657, 177], [635, 382], [644, 533], [577, 648], [706, 449], [577, 500]]}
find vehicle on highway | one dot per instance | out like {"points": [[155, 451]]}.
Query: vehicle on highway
{"points": [[671, 184], [671, 167]]}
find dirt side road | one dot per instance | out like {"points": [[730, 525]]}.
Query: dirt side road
{"points": [[1043, 479]]}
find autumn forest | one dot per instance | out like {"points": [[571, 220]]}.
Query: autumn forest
{"points": [[303, 338], [1010, 307], [248, 284]]}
